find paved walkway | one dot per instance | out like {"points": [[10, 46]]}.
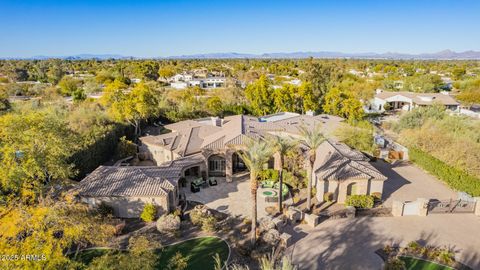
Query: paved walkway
{"points": [[351, 243], [406, 182]]}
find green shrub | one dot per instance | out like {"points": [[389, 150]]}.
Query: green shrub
{"points": [[328, 196], [149, 212], [455, 178], [360, 201], [105, 209], [269, 174]]}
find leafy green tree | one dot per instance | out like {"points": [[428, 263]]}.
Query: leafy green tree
{"points": [[141, 103], [285, 99], [68, 85], [55, 72], [49, 230], [147, 70], [18, 75], [343, 104], [259, 94], [34, 148], [214, 105], [320, 76]]}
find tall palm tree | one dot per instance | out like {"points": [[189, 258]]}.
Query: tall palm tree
{"points": [[281, 145], [255, 154], [311, 139]]}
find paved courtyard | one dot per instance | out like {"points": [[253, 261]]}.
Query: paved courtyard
{"points": [[406, 182], [351, 243], [232, 198]]}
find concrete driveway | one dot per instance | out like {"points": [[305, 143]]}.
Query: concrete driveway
{"points": [[351, 243], [406, 182]]}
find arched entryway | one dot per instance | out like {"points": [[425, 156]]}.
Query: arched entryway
{"points": [[352, 189], [238, 164]]}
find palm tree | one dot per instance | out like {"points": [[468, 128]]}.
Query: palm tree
{"points": [[311, 139], [255, 154], [281, 145]]}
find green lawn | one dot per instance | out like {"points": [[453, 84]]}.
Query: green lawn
{"points": [[200, 252], [419, 264]]}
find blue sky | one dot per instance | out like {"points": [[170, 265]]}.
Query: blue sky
{"points": [[165, 28]]}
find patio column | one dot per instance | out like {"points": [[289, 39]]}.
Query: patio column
{"points": [[228, 166]]}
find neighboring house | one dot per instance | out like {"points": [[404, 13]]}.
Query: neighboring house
{"points": [[207, 147], [184, 80], [407, 101]]}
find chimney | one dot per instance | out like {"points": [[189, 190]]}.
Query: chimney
{"points": [[378, 91], [216, 121], [310, 113]]}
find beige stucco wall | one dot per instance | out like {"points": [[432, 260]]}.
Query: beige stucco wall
{"points": [[129, 207], [339, 189], [158, 153]]}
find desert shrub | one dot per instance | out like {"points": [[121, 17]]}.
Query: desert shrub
{"points": [[178, 262], [360, 201], [414, 247], [149, 212], [271, 237], [455, 178], [105, 209], [168, 223], [209, 224], [269, 174], [201, 216], [377, 196], [446, 256], [394, 264], [328, 196], [388, 250]]}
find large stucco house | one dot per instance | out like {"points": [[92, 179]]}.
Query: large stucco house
{"points": [[407, 101], [207, 148]]}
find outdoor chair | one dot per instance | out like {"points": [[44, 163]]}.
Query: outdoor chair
{"points": [[212, 181], [194, 188]]}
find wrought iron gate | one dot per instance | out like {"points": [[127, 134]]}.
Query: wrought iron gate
{"points": [[451, 206]]}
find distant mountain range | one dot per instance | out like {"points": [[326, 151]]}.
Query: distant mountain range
{"points": [[442, 55]]}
